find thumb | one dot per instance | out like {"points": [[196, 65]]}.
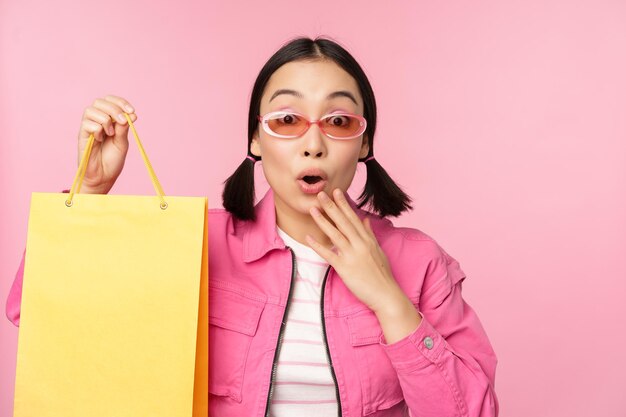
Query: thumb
{"points": [[120, 139]]}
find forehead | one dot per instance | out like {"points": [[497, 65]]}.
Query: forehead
{"points": [[311, 82]]}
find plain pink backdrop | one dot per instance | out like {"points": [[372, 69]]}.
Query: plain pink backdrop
{"points": [[505, 121]]}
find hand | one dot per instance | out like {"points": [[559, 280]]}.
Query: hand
{"points": [[359, 261], [105, 119]]}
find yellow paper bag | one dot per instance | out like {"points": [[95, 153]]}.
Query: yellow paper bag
{"points": [[114, 314]]}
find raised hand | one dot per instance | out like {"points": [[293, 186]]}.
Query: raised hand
{"points": [[363, 266], [359, 260], [105, 119]]}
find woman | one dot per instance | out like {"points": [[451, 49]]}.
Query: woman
{"points": [[318, 307]]}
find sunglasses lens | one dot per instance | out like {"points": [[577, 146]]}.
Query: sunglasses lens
{"points": [[343, 125], [286, 124]]}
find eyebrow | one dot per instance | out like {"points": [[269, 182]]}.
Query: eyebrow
{"points": [[341, 93]]}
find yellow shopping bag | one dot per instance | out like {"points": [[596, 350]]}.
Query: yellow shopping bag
{"points": [[114, 314]]}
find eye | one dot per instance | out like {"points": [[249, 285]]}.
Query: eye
{"points": [[287, 119], [338, 120]]}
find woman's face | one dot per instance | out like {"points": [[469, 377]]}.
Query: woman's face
{"points": [[283, 160]]}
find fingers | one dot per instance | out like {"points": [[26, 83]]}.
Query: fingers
{"points": [[121, 103], [94, 117], [368, 227], [88, 126], [112, 109], [107, 112], [121, 131], [323, 251], [105, 119], [338, 238], [345, 207], [341, 214]]}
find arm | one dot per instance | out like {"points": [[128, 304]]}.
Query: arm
{"points": [[446, 366], [14, 300]]}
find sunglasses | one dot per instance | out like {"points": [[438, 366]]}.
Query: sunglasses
{"points": [[287, 124]]}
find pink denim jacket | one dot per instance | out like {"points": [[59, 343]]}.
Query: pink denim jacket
{"points": [[446, 367]]}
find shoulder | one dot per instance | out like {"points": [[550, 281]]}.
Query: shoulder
{"points": [[387, 233], [219, 215], [220, 220], [409, 242], [224, 226], [416, 255]]}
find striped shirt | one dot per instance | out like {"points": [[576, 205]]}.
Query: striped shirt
{"points": [[304, 385]]}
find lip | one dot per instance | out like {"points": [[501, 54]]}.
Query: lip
{"points": [[313, 172], [312, 188]]}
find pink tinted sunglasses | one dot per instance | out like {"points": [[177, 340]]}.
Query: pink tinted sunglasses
{"points": [[288, 124]]}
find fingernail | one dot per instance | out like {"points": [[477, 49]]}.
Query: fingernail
{"points": [[128, 108], [323, 196], [121, 118], [315, 211]]}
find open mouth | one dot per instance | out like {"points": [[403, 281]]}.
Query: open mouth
{"points": [[311, 179]]}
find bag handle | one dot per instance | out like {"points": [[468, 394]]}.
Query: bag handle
{"points": [[80, 174]]}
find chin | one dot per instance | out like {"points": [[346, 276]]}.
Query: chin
{"points": [[306, 201]]}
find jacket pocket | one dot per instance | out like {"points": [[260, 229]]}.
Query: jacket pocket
{"points": [[233, 321], [379, 381]]}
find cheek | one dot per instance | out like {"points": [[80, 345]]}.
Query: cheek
{"points": [[346, 168], [276, 158], [349, 153]]}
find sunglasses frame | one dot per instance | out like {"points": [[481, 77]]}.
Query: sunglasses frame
{"points": [[264, 120]]}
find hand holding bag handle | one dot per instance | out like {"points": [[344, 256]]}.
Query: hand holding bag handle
{"points": [[80, 174]]}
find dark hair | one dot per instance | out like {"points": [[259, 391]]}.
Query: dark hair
{"points": [[383, 194]]}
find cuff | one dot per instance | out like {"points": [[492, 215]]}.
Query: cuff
{"points": [[424, 344]]}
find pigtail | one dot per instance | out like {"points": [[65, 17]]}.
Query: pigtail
{"points": [[383, 194], [238, 194]]}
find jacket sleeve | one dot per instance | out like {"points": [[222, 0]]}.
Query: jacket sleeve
{"points": [[446, 367], [14, 300]]}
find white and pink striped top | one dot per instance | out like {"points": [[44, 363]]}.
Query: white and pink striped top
{"points": [[304, 385]]}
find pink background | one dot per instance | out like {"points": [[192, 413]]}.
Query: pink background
{"points": [[503, 120]]}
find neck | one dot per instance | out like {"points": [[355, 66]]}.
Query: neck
{"points": [[298, 225]]}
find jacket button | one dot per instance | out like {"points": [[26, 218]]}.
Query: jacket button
{"points": [[428, 342]]}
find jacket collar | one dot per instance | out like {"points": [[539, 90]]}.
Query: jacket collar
{"points": [[261, 235]]}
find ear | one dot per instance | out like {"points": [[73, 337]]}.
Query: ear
{"points": [[255, 147], [365, 147]]}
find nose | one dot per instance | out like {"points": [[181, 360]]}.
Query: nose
{"points": [[314, 143]]}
